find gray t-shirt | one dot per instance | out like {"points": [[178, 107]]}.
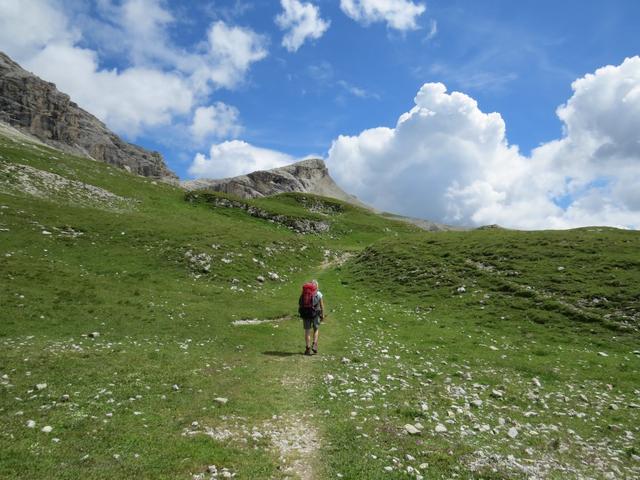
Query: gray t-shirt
{"points": [[316, 299]]}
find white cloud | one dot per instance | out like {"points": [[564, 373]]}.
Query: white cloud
{"points": [[162, 83], [218, 120], [232, 50], [433, 30], [444, 139], [447, 160], [27, 26], [144, 24], [356, 91], [127, 100], [398, 14], [301, 21], [235, 157]]}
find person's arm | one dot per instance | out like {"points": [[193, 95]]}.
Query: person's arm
{"points": [[322, 308]]}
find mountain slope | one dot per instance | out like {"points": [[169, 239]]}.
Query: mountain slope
{"points": [[154, 332], [37, 107]]}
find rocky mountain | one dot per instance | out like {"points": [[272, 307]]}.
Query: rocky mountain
{"points": [[306, 176], [38, 108]]}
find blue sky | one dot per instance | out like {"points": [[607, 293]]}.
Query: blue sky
{"points": [[338, 89]]}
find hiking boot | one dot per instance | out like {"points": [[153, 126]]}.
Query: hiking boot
{"points": [[307, 351], [314, 349]]}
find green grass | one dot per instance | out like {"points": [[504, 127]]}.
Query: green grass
{"points": [[419, 349]]}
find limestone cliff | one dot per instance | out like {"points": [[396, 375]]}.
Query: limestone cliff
{"points": [[36, 107]]}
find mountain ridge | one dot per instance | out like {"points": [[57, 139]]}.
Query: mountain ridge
{"points": [[310, 175], [306, 176], [36, 107]]}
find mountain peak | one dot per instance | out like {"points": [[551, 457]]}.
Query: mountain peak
{"points": [[306, 176]]}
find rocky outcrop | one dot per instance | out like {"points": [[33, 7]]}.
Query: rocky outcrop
{"points": [[307, 176], [299, 225], [36, 107]]}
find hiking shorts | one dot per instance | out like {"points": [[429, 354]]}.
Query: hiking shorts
{"points": [[310, 323]]}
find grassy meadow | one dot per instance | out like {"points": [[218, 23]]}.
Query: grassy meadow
{"points": [[145, 334]]}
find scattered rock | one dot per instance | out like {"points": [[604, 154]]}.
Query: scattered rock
{"points": [[94, 335], [497, 393], [440, 428], [221, 400], [513, 432], [31, 424], [47, 429], [410, 429]]}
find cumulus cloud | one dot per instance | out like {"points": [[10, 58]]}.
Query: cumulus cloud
{"points": [[217, 120], [232, 51], [443, 139], [398, 14], [300, 21], [162, 82], [447, 160], [235, 157]]}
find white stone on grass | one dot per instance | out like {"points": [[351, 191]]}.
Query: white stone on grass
{"points": [[221, 400], [513, 432], [411, 429], [31, 424], [497, 393], [440, 428], [47, 429]]}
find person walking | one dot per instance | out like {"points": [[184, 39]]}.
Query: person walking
{"points": [[311, 309]]}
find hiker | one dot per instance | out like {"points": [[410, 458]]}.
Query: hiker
{"points": [[311, 309]]}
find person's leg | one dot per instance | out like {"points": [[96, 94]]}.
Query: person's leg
{"points": [[307, 337], [316, 334]]}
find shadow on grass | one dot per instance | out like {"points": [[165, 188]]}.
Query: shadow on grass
{"points": [[281, 354]]}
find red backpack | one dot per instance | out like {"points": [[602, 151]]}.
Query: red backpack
{"points": [[306, 308]]}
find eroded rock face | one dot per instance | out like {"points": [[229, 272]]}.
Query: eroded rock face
{"points": [[307, 176], [36, 107]]}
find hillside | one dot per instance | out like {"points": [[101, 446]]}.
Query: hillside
{"points": [[154, 332]]}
